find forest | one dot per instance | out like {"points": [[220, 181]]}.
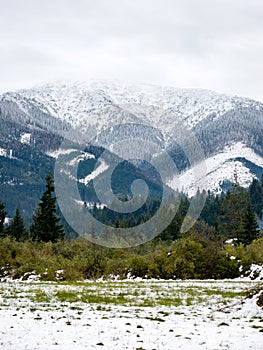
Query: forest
{"points": [[224, 243]]}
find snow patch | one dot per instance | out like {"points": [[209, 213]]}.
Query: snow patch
{"points": [[255, 272], [61, 151], [25, 138], [82, 156], [7, 221], [99, 170]]}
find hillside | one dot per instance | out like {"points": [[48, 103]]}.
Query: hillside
{"points": [[35, 121]]}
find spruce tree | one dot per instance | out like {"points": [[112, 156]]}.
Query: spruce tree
{"points": [[234, 208], [2, 218], [45, 225], [249, 230], [256, 196], [17, 228]]}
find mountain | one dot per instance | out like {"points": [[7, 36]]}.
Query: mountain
{"points": [[103, 104], [227, 129], [28, 153]]}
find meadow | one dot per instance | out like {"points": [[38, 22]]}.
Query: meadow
{"points": [[130, 314]]}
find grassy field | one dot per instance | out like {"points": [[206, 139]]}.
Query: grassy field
{"points": [[153, 314]]}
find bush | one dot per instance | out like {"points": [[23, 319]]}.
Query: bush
{"points": [[189, 257]]}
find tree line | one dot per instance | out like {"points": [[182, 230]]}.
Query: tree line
{"points": [[45, 226], [223, 243], [231, 215]]}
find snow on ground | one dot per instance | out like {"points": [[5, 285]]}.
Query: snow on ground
{"points": [[163, 315], [83, 156], [254, 273], [92, 102], [25, 138], [7, 221], [6, 153], [3, 152], [90, 205], [62, 151]]}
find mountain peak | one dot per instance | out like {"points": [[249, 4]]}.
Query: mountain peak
{"points": [[96, 102]]}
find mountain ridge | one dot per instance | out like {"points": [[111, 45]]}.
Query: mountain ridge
{"points": [[38, 119], [73, 101]]}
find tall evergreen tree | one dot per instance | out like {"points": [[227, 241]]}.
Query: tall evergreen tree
{"points": [[256, 196], [45, 225], [2, 218], [249, 230], [234, 208], [17, 228], [212, 209]]}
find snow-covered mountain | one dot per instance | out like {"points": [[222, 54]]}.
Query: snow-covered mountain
{"points": [[99, 103], [228, 128]]}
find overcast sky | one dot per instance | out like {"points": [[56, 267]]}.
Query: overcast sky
{"points": [[213, 44]]}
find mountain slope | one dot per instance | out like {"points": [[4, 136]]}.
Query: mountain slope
{"points": [[28, 153], [235, 160], [228, 128], [98, 103]]}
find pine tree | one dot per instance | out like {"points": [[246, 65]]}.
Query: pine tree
{"points": [[45, 225], [2, 218], [17, 228], [35, 228], [117, 223], [211, 209], [256, 196], [234, 208], [249, 230]]}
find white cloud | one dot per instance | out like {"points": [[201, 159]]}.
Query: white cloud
{"points": [[196, 43]]}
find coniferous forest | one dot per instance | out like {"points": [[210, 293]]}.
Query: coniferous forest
{"points": [[224, 242]]}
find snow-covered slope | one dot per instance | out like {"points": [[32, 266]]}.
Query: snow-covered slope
{"points": [[220, 168], [227, 127], [99, 103]]}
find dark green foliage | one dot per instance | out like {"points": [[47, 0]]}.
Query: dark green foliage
{"points": [[17, 228], [117, 223], [23, 175], [45, 225], [172, 232], [2, 218], [234, 208], [212, 209], [201, 253], [256, 196], [110, 217], [193, 256], [249, 231]]}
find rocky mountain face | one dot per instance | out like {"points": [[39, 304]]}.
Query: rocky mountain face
{"points": [[34, 122]]}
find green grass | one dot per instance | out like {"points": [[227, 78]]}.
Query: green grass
{"points": [[67, 296], [41, 297], [225, 294], [133, 294], [170, 302]]}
